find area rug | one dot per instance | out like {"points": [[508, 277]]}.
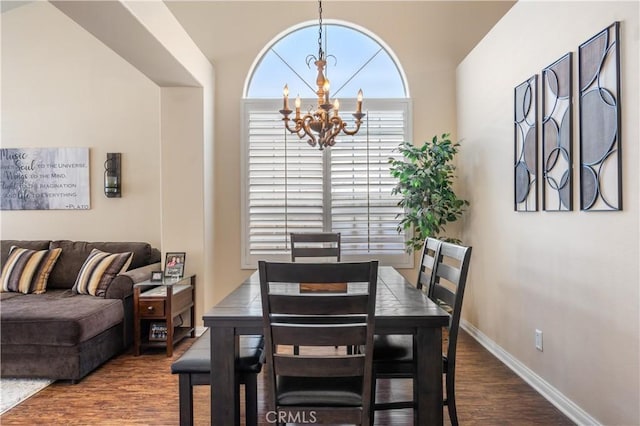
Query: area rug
{"points": [[14, 391]]}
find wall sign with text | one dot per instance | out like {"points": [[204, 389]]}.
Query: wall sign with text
{"points": [[44, 179]]}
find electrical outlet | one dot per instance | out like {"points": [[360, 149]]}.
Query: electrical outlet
{"points": [[539, 340]]}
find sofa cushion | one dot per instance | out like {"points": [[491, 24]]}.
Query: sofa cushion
{"points": [[5, 246], [74, 253], [99, 270], [27, 271], [57, 317]]}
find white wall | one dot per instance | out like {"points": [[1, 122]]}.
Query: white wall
{"points": [[573, 275], [63, 88]]}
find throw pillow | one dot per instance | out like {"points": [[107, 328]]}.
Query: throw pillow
{"points": [[27, 271], [99, 270]]}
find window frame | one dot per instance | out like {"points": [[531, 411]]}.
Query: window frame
{"points": [[248, 261]]}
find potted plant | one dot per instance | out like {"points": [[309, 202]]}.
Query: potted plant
{"points": [[425, 178]]}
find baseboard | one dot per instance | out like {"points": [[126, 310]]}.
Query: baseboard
{"points": [[551, 394], [200, 330]]}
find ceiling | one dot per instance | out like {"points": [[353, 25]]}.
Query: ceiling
{"points": [[215, 26]]}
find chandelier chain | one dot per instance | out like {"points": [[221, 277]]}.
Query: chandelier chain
{"points": [[320, 52]]}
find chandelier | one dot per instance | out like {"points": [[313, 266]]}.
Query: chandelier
{"points": [[322, 125]]}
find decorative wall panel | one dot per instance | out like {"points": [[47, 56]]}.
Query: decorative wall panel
{"points": [[557, 135], [44, 179], [526, 146], [600, 154]]}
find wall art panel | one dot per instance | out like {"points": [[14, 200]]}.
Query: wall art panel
{"points": [[600, 145], [526, 146], [44, 179], [557, 135]]}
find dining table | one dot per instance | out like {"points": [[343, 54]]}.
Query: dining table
{"points": [[401, 308]]}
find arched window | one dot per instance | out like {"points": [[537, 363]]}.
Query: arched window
{"points": [[357, 61], [291, 187]]}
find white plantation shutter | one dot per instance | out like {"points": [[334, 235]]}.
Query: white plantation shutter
{"points": [[362, 207], [290, 186]]}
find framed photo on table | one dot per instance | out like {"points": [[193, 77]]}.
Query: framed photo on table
{"points": [[156, 276], [158, 332], [174, 264]]}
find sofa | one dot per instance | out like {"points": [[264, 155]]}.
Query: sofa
{"points": [[55, 332]]}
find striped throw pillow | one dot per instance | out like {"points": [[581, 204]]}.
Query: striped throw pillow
{"points": [[99, 270], [27, 271]]}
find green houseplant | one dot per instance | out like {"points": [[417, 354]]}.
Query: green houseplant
{"points": [[425, 178]]}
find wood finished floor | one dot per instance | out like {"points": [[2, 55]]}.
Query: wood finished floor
{"points": [[140, 390]]}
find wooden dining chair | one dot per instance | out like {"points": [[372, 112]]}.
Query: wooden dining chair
{"points": [[322, 386], [393, 355], [315, 244]]}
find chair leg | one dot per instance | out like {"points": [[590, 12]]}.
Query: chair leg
{"points": [[372, 408], [251, 399], [186, 400], [451, 400]]}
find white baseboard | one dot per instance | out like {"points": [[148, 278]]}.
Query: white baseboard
{"points": [[564, 404], [200, 330]]}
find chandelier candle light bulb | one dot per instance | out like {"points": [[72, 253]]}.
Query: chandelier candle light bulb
{"points": [[286, 97], [320, 126], [325, 88]]}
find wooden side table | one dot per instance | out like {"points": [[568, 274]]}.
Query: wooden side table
{"points": [[159, 309]]}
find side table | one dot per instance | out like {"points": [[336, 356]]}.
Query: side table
{"points": [[159, 309]]}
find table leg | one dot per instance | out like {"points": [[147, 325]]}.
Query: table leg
{"points": [[136, 321], [429, 377], [224, 403]]}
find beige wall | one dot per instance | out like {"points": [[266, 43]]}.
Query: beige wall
{"points": [[573, 275], [63, 88]]}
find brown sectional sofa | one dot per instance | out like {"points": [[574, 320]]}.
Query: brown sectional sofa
{"points": [[63, 335]]}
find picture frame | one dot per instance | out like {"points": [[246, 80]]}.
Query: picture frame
{"points": [[600, 121], [174, 264], [156, 276], [158, 332]]}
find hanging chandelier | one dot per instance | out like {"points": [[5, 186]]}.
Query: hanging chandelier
{"points": [[322, 125]]}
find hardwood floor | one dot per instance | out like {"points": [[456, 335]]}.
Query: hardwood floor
{"points": [[141, 390]]}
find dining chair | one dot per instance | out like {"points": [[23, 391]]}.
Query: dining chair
{"points": [[315, 244], [322, 386], [393, 355]]}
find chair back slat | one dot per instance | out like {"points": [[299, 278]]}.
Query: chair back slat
{"points": [[337, 335], [316, 252], [449, 273], [443, 295], [317, 272], [310, 366], [315, 244], [319, 304]]}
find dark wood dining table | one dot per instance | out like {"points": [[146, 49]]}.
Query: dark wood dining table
{"points": [[400, 309]]}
